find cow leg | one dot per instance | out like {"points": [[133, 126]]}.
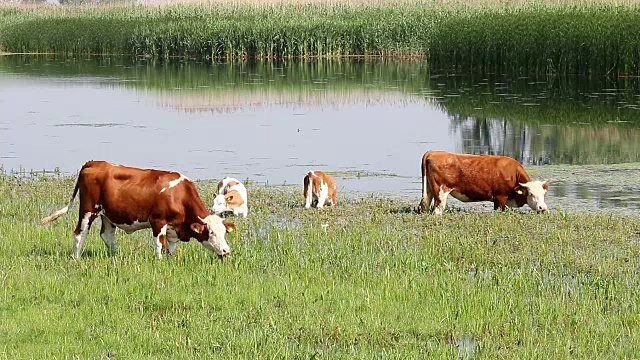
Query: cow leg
{"points": [[323, 194], [499, 202], [160, 237], [334, 199], [440, 201], [172, 241], [108, 234], [80, 233], [322, 199], [427, 196]]}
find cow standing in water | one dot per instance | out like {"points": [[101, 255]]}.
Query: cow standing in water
{"points": [[132, 199], [319, 188], [499, 179]]}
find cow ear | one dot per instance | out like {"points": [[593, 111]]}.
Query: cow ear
{"points": [[521, 190], [230, 226], [197, 227], [545, 185]]}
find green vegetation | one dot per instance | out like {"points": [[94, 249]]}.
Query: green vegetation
{"points": [[542, 37], [369, 279], [227, 31]]}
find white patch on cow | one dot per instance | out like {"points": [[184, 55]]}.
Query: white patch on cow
{"points": [[109, 235], [174, 183], [535, 195], [324, 194], [441, 202], [135, 226], [82, 236], [217, 231], [163, 232], [241, 211], [460, 196]]}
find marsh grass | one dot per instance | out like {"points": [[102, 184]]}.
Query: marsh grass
{"points": [[360, 280], [491, 36]]}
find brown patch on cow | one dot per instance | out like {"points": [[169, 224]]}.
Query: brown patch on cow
{"points": [[476, 177], [226, 188], [233, 199]]}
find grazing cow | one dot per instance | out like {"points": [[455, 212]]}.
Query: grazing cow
{"points": [[232, 196], [133, 199], [319, 188], [500, 179]]}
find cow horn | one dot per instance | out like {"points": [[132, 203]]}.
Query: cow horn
{"points": [[524, 185], [201, 219]]}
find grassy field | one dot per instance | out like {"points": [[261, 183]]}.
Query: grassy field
{"points": [[559, 37], [369, 279]]}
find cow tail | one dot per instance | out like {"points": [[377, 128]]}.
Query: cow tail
{"points": [[308, 187], [65, 209], [424, 167]]}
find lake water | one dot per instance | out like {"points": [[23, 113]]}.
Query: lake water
{"points": [[368, 120]]}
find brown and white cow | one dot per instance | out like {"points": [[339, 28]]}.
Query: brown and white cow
{"points": [[319, 188], [133, 199], [495, 178], [232, 196]]}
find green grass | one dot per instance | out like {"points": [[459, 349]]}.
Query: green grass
{"points": [[539, 37], [369, 279]]}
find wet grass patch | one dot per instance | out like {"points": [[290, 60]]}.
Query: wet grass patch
{"points": [[357, 174], [364, 279]]}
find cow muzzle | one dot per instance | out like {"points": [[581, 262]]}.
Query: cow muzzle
{"points": [[224, 253]]}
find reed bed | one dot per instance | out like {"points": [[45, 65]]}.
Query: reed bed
{"points": [[233, 31], [541, 37]]}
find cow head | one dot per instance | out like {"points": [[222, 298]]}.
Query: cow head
{"points": [[211, 231], [219, 205], [534, 191]]}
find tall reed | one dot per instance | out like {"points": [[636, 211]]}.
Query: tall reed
{"points": [[217, 31], [543, 37]]}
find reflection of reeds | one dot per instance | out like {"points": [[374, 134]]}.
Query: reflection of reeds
{"points": [[543, 144], [232, 101]]}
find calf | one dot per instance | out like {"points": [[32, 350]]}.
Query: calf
{"points": [[319, 188], [132, 199], [500, 179], [232, 196]]}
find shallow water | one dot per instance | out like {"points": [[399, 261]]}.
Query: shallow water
{"points": [[272, 122]]}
